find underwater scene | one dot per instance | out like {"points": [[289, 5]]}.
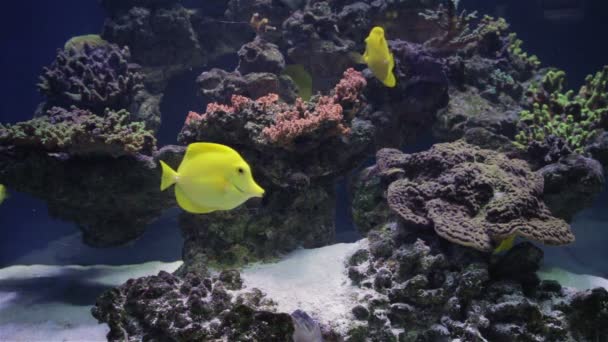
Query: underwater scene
{"points": [[304, 170]]}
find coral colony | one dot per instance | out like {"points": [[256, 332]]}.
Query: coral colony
{"points": [[517, 156]]}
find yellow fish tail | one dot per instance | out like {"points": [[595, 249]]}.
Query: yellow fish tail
{"points": [[505, 244], [390, 80], [169, 176]]}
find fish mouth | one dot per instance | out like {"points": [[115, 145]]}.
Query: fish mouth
{"points": [[246, 192]]}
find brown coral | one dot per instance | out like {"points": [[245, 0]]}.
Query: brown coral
{"points": [[473, 197]]}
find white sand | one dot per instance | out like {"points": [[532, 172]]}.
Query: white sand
{"points": [[578, 281], [312, 280]]}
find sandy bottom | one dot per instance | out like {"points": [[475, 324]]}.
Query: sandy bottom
{"points": [[312, 280]]}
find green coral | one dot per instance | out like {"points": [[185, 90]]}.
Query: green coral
{"points": [[518, 54], [80, 132], [576, 118], [78, 42]]}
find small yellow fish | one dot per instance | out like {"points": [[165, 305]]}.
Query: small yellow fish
{"points": [[210, 177], [3, 193], [379, 58], [506, 244]]}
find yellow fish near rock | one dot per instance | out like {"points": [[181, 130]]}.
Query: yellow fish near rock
{"points": [[3, 193], [378, 57], [210, 177]]}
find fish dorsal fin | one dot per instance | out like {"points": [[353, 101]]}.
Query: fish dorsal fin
{"points": [[196, 149]]}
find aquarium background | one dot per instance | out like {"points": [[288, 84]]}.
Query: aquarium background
{"points": [[31, 31]]}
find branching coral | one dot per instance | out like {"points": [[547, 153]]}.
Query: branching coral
{"points": [[281, 124], [459, 29], [518, 54], [80, 132], [575, 118], [92, 78]]}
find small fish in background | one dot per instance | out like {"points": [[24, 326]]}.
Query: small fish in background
{"points": [[306, 329], [3, 193], [378, 57], [505, 245], [210, 177], [302, 78]]}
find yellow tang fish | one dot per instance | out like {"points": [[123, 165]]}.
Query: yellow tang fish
{"points": [[3, 193], [210, 177], [378, 57]]}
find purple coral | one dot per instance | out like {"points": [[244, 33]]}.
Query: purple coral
{"points": [[91, 78]]}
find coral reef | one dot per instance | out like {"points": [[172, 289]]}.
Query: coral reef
{"points": [[574, 118], [418, 288], [97, 78], [296, 152], [572, 184], [192, 308], [431, 218], [111, 200], [217, 85], [470, 196], [79, 132], [268, 122]]}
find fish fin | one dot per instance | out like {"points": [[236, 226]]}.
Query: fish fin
{"points": [[196, 149], [169, 176], [189, 206], [357, 57], [505, 244], [390, 80]]}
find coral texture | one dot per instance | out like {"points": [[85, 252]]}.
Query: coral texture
{"points": [[92, 78], [284, 124], [418, 289], [576, 118], [112, 200], [79, 132], [192, 308], [471, 197]]}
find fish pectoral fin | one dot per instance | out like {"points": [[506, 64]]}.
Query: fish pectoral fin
{"points": [[188, 205]]}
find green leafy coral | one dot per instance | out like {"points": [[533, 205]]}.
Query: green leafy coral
{"points": [[574, 117], [80, 132]]}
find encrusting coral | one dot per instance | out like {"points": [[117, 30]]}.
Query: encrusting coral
{"points": [[470, 196], [79, 132]]}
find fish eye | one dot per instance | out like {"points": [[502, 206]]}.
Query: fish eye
{"points": [[240, 170]]}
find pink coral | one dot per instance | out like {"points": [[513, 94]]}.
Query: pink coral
{"points": [[350, 87], [298, 121], [193, 116], [284, 123]]}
